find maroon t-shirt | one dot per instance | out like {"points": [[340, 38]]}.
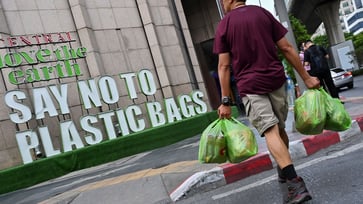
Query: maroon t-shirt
{"points": [[249, 34]]}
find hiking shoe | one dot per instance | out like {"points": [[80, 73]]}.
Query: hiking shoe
{"points": [[282, 183], [297, 191], [283, 190]]}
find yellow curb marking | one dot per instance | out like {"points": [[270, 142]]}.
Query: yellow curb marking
{"points": [[176, 167]]}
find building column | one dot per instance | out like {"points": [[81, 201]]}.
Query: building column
{"points": [[329, 14], [284, 19], [86, 36], [153, 40]]}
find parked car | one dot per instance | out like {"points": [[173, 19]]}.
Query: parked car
{"points": [[342, 78]]}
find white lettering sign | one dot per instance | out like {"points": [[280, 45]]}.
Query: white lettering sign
{"points": [[52, 101]]}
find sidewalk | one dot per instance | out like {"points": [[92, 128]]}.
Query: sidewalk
{"points": [[173, 182]]}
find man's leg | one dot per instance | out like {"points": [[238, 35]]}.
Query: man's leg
{"points": [[284, 136], [277, 147], [297, 192], [268, 113], [285, 139], [281, 179], [278, 101], [330, 85]]}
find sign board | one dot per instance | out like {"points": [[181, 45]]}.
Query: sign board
{"points": [[39, 103], [344, 55]]}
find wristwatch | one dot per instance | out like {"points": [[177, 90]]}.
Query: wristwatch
{"points": [[226, 101]]}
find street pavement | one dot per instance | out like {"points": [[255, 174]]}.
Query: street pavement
{"points": [[172, 182]]}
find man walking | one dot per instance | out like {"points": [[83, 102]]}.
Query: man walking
{"points": [[247, 38], [317, 57]]}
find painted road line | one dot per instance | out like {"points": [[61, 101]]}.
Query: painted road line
{"points": [[301, 166], [350, 99]]}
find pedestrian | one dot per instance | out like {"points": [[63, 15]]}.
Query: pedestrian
{"points": [[317, 57], [247, 38], [302, 55]]}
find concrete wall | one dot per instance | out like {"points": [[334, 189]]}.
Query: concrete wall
{"points": [[203, 18], [120, 36]]}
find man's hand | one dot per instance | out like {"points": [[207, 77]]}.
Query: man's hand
{"points": [[312, 82], [224, 111]]}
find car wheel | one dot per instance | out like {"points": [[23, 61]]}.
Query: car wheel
{"points": [[350, 85]]}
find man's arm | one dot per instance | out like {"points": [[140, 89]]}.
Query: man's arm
{"points": [[292, 57], [224, 74]]}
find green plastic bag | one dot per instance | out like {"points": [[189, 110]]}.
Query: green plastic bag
{"points": [[241, 141], [337, 118], [310, 113], [212, 144]]}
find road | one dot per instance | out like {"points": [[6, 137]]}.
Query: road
{"points": [[354, 96], [332, 175]]}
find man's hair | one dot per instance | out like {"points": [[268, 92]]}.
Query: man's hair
{"points": [[308, 43]]}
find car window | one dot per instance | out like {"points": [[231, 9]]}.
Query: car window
{"points": [[337, 70]]}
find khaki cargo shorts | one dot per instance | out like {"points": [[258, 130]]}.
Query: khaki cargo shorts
{"points": [[264, 111]]}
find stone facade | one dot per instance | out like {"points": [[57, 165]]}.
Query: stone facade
{"points": [[120, 36]]}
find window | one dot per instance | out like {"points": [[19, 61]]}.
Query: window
{"points": [[355, 17]]}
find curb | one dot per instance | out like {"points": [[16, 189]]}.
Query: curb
{"points": [[229, 173]]}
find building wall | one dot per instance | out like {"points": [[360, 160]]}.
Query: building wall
{"points": [[120, 36], [358, 4], [202, 18], [355, 22]]}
